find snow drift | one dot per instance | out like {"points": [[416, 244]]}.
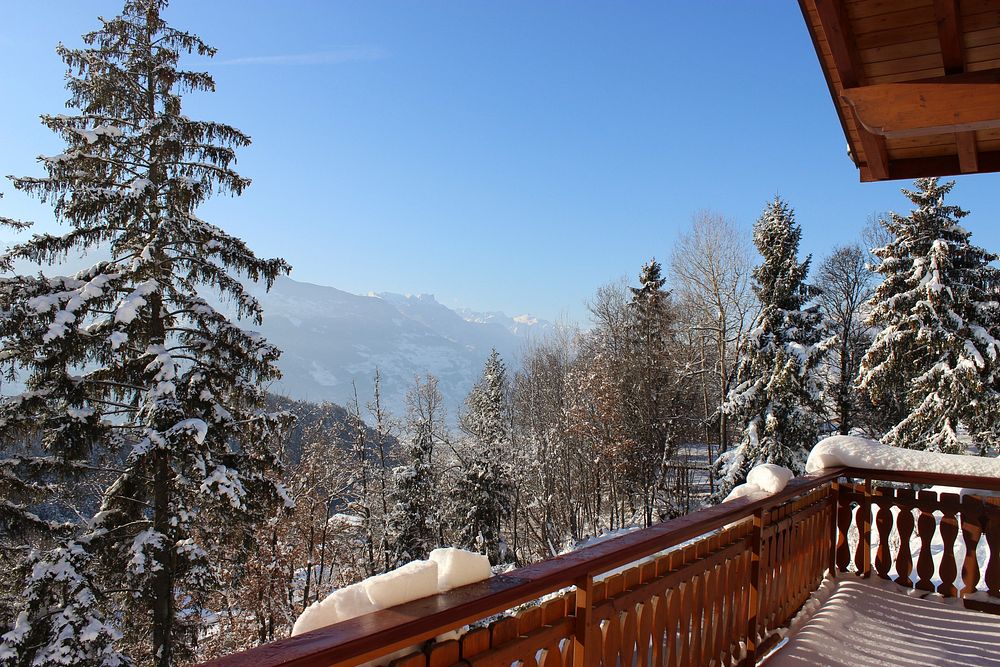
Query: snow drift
{"points": [[763, 480], [444, 570], [847, 450], [457, 567]]}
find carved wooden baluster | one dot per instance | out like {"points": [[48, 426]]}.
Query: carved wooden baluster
{"points": [[503, 631], [646, 613], [925, 529], [993, 540], [781, 579], [553, 611], [684, 631], [412, 660], [726, 617], [843, 526], [859, 551], [671, 618], [550, 656], [707, 624], [719, 611], [474, 642], [657, 624], [529, 620], [905, 500], [697, 619], [884, 498], [972, 530], [770, 560], [630, 628], [612, 628], [866, 531], [948, 570], [443, 654], [744, 601]]}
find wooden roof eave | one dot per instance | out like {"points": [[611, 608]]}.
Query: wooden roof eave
{"points": [[912, 102], [852, 150]]}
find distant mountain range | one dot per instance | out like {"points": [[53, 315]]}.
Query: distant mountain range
{"points": [[331, 338]]}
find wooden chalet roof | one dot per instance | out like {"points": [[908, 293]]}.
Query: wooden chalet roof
{"points": [[916, 82]]}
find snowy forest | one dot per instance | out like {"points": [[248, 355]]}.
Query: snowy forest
{"points": [[159, 507]]}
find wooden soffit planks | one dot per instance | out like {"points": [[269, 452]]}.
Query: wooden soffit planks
{"points": [[916, 83]]}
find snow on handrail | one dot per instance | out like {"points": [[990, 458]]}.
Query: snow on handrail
{"points": [[884, 460]]}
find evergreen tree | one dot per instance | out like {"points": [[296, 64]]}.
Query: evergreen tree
{"points": [[413, 520], [939, 318], [483, 492], [653, 381], [777, 395], [126, 366], [650, 297]]}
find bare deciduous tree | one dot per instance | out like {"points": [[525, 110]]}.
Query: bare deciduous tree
{"points": [[844, 283], [711, 269]]}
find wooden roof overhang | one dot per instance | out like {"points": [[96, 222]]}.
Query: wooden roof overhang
{"points": [[916, 82]]}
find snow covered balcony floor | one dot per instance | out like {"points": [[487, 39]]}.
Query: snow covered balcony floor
{"points": [[716, 587], [859, 621]]}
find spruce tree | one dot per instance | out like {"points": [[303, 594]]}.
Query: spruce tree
{"points": [[652, 381], [483, 492], [127, 367], [939, 318], [777, 393], [413, 519]]}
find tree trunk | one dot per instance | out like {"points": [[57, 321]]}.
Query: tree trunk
{"points": [[163, 579]]}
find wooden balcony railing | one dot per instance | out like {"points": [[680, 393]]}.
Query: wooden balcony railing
{"points": [[709, 588], [906, 556]]}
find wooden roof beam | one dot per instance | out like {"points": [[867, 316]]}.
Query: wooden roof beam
{"points": [[949, 23], [940, 105], [837, 29]]}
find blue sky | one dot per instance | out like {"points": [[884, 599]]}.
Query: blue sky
{"points": [[500, 155]]}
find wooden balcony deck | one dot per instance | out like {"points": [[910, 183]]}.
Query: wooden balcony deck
{"points": [[868, 622], [710, 588]]}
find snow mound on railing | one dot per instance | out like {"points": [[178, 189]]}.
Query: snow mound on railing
{"points": [[855, 452], [763, 480], [445, 569]]}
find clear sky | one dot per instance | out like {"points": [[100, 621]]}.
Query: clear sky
{"points": [[500, 155]]}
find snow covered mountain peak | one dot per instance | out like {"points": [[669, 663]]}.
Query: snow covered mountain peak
{"points": [[332, 340]]}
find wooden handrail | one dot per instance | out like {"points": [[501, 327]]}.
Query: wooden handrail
{"points": [[380, 633], [365, 637], [916, 477]]}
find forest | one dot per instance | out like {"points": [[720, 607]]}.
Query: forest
{"points": [[159, 507]]}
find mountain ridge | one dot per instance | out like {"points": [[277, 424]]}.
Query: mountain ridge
{"points": [[333, 340]]}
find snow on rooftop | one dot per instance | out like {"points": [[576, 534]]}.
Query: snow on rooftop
{"points": [[853, 621], [848, 450]]}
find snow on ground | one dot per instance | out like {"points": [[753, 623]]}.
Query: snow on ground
{"points": [[848, 450], [852, 621]]}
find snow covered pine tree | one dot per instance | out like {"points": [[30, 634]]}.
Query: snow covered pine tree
{"points": [[484, 489], [413, 519], [777, 395], [656, 381], [124, 363], [939, 318]]}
